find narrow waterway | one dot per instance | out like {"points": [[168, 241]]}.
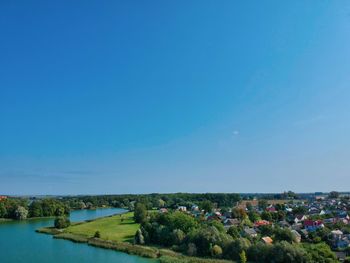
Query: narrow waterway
{"points": [[20, 243]]}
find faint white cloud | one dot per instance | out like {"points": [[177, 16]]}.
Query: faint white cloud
{"points": [[235, 133], [309, 121]]}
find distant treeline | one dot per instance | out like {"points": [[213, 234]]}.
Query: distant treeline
{"points": [[23, 208], [152, 200]]}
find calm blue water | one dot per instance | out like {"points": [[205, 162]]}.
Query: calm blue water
{"points": [[20, 243]]}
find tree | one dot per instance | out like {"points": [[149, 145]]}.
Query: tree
{"points": [[320, 253], [239, 213], [35, 209], [284, 235], [139, 238], [262, 204], [178, 236], [249, 206], [333, 195], [253, 216], [161, 203], [233, 250], [207, 206], [192, 250], [216, 251], [243, 257], [285, 252], [62, 222], [21, 213], [97, 234], [3, 210], [266, 216], [140, 213], [233, 232]]}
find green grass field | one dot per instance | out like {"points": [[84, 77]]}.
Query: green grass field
{"points": [[116, 228]]}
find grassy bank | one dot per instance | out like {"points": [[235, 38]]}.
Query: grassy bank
{"points": [[121, 228], [117, 233]]}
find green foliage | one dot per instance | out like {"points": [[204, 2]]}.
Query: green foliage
{"points": [[140, 213], [139, 238], [285, 252], [233, 231], [259, 252], [262, 204], [266, 216], [3, 210], [233, 250], [21, 213], [97, 234], [243, 257], [207, 206], [239, 213], [62, 222], [216, 251], [320, 253], [253, 216], [192, 249], [283, 234], [207, 236], [178, 236]]}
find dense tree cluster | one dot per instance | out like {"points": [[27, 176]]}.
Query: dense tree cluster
{"points": [[195, 237], [21, 208], [206, 201]]}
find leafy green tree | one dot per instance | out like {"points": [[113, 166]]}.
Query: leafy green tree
{"points": [[140, 213], [97, 234], [182, 221], [285, 252], [253, 216], [62, 222], [161, 203], [283, 234], [233, 250], [192, 249], [207, 206], [139, 238], [243, 257], [259, 252], [35, 209], [239, 213], [233, 231], [207, 236], [21, 213], [320, 253], [3, 210], [266, 216], [178, 236], [216, 251]]}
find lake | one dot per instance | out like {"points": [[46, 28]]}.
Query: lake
{"points": [[20, 243]]}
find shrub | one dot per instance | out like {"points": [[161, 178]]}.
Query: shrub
{"points": [[97, 234], [216, 251], [62, 222]]}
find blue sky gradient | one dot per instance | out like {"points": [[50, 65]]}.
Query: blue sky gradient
{"points": [[182, 96]]}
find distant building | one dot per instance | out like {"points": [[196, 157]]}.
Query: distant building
{"points": [[3, 197], [182, 208], [267, 240]]}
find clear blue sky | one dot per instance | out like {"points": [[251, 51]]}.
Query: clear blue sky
{"points": [[170, 96]]}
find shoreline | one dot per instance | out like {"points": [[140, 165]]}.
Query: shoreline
{"points": [[163, 255]]}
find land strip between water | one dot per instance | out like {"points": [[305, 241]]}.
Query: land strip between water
{"points": [[117, 233]]}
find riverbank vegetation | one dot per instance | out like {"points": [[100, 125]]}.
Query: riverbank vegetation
{"points": [[23, 208]]}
